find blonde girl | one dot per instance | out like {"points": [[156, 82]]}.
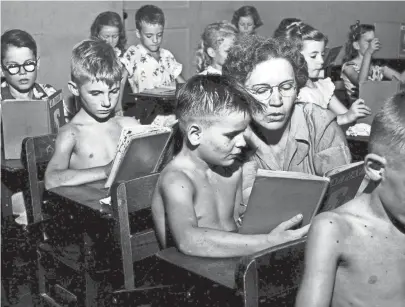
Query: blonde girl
{"points": [[312, 44], [213, 48]]}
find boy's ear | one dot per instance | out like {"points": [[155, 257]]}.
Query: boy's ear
{"points": [[211, 52], [73, 88], [356, 45], [38, 63], [375, 166], [138, 34], [194, 134]]}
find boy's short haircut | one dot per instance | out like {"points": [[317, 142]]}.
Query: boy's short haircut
{"points": [[150, 14], [203, 97], [94, 59], [17, 38], [387, 136]]}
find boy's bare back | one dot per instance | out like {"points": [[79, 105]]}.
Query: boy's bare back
{"points": [[214, 193], [354, 258]]}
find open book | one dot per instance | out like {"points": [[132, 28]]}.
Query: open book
{"points": [[25, 118], [139, 152], [278, 196]]}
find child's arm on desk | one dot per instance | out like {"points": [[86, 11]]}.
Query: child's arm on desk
{"points": [[321, 261], [58, 173], [178, 192]]}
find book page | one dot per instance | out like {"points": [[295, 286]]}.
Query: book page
{"points": [[160, 91]]}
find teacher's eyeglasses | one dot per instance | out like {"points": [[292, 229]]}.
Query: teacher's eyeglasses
{"points": [[14, 69], [264, 91]]}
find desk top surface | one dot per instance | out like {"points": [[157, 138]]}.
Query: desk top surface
{"points": [[163, 97], [218, 270], [87, 195], [11, 164]]}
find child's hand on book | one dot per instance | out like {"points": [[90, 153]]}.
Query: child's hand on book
{"points": [[358, 110], [284, 232]]}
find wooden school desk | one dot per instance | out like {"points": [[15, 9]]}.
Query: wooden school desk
{"points": [[13, 176], [81, 201], [146, 103]]}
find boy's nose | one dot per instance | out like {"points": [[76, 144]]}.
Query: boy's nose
{"points": [[240, 142], [106, 103]]}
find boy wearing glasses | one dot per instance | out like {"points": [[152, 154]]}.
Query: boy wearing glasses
{"points": [[19, 67], [19, 64]]}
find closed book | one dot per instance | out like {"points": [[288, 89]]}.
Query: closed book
{"points": [[277, 196], [25, 118]]}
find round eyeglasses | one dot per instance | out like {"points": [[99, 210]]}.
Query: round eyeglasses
{"points": [[14, 69], [264, 91]]}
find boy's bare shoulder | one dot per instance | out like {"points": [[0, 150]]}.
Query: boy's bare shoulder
{"points": [[68, 131], [175, 175]]}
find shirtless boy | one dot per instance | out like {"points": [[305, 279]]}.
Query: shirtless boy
{"points": [[356, 254], [198, 194], [85, 147]]}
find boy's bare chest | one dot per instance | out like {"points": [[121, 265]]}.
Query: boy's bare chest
{"points": [[97, 147], [375, 264], [215, 201]]}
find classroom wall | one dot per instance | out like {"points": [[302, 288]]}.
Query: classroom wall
{"points": [[59, 25]]}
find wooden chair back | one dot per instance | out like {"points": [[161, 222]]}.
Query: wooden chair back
{"points": [[271, 277], [131, 205], [36, 153]]}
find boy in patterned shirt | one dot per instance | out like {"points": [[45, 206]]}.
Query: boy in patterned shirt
{"points": [[147, 64]]}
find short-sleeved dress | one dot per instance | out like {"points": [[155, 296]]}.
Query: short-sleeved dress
{"points": [[321, 94], [375, 74]]}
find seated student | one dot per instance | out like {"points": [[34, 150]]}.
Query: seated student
{"points": [[199, 192], [109, 27], [147, 64], [359, 66], [287, 135], [355, 254], [85, 147], [19, 67], [213, 48], [312, 43], [246, 19]]}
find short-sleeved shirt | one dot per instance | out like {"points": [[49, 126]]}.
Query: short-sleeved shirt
{"points": [[315, 145], [321, 94], [145, 72], [375, 74], [210, 71], [39, 92]]}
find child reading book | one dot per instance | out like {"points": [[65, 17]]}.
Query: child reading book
{"points": [[246, 19], [86, 146], [199, 192], [147, 64], [355, 255], [19, 67]]}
